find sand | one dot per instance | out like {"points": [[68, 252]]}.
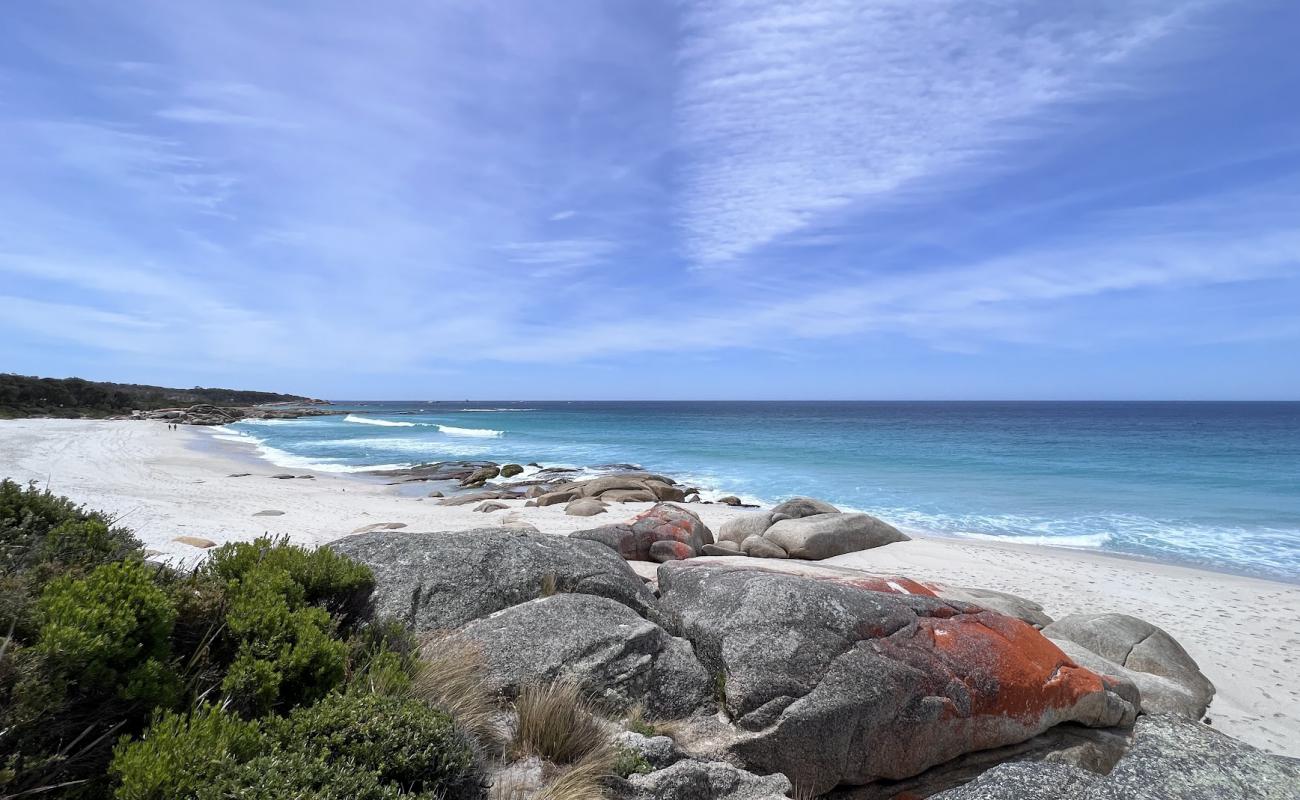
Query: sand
{"points": [[1244, 632]]}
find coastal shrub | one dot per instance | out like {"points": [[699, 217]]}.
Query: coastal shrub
{"points": [[401, 740], [43, 536], [383, 656], [282, 775], [180, 753], [338, 584], [347, 746], [37, 527], [287, 653], [110, 631]]}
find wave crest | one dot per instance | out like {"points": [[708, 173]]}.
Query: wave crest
{"points": [[484, 433], [385, 422]]}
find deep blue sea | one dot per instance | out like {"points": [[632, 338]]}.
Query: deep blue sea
{"points": [[1213, 484]]}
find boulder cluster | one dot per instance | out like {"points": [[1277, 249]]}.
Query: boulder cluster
{"points": [[205, 414], [803, 528], [779, 677], [628, 487]]}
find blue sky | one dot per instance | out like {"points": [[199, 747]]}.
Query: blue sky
{"points": [[875, 200]]}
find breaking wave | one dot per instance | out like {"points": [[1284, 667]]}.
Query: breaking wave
{"points": [[483, 433], [388, 423]]}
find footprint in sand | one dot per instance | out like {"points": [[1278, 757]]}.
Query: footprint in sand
{"points": [[269, 513]]}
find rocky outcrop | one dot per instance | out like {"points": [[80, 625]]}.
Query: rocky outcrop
{"points": [[809, 529], [600, 644], [510, 470], [622, 488], [663, 533], [1025, 781], [741, 528], [437, 471], [481, 476], [440, 581], [1171, 758], [707, 780], [827, 535], [206, 414], [478, 497], [829, 682], [799, 507], [1126, 646]]}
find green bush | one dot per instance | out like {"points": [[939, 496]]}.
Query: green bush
{"points": [[110, 632], [287, 652], [404, 741], [37, 527], [293, 774], [42, 537], [180, 753], [327, 579], [346, 747]]}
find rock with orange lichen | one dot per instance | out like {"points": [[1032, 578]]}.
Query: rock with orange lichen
{"points": [[842, 679]]}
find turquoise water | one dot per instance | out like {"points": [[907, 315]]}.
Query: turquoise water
{"points": [[1214, 484]]}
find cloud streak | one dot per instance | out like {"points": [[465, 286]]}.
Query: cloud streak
{"points": [[791, 112]]}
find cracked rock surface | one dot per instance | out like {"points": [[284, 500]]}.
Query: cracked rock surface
{"points": [[830, 682], [440, 581]]}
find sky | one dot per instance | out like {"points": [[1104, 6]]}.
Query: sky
{"points": [[857, 199]]}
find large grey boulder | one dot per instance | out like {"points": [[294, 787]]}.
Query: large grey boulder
{"points": [[741, 528], [584, 507], [708, 780], [831, 682], [1025, 780], [797, 507], [1137, 645], [600, 644], [440, 581], [1171, 758], [825, 535], [1158, 695]]}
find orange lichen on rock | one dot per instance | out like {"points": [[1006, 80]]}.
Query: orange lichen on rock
{"points": [[1007, 668]]}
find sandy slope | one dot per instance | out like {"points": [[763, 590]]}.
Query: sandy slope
{"points": [[1245, 633]]}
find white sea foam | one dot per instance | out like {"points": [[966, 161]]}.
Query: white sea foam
{"points": [[484, 433], [388, 423], [1084, 541]]}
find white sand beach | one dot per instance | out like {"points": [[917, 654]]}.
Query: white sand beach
{"points": [[1244, 632]]}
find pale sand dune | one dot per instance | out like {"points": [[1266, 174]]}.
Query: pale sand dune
{"points": [[1245, 633]]}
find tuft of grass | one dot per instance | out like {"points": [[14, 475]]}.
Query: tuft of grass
{"points": [[583, 780], [449, 676], [559, 724], [550, 585]]}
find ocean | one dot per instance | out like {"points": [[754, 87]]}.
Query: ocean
{"points": [[1210, 484]]}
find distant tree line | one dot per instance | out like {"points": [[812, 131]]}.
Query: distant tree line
{"points": [[26, 396]]}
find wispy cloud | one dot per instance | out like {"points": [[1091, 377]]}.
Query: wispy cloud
{"points": [[791, 112], [319, 190], [560, 254]]}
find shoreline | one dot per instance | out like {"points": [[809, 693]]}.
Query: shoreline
{"points": [[245, 446], [165, 483]]}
